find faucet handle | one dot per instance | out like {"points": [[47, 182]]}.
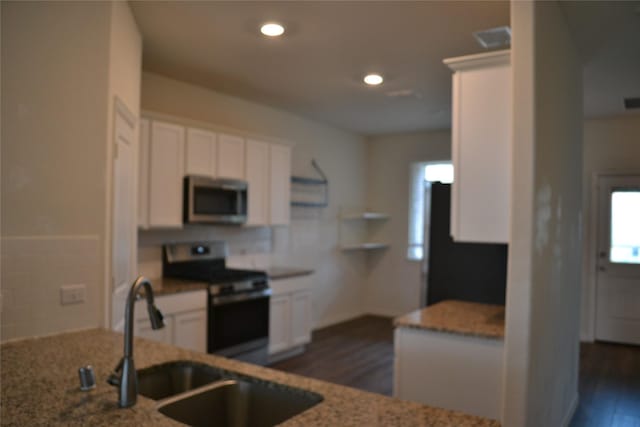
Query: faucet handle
{"points": [[114, 377]]}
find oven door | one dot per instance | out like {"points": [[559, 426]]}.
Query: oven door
{"points": [[214, 200], [238, 323]]}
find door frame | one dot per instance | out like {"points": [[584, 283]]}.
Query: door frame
{"points": [[590, 251], [119, 108]]}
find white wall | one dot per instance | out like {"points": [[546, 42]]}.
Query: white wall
{"points": [[610, 145], [56, 66], [393, 282], [54, 94], [312, 238], [541, 343]]}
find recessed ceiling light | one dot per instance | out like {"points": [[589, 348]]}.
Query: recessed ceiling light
{"points": [[272, 29], [373, 79]]}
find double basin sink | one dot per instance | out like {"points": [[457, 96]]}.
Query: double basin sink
{"points": [[201, 395]]}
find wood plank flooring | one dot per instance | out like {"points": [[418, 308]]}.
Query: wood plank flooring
{"points": [[609, 386], [359, 353]]}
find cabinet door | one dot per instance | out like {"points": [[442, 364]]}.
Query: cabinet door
{"points": [[143, 175], [166, 174], [257, 175], [300, 318], [143, 329], [279, 324], [190, 330], [481, 148], [230, 157], [200, 153], [280, 184]]}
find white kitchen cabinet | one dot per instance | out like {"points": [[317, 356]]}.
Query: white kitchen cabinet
{"points": [[481, 147], [230, 159], [143, 329], [190, 330], [279, 184], [300, 318], [451, 371], [185, 319], [257, 176], [279, 323], [201, 152], [289, 316], [143, 174], [166, 172]]}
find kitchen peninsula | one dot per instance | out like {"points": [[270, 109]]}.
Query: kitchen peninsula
{"points": [[450, 355], [40, 387]]}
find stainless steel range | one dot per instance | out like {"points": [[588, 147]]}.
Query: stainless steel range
{"points": [[238, 306]]}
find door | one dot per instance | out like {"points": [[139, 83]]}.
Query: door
{"points": [[257, 173], [279, 184], [618, 263], [123, 239], [230, 157], [166, 170], [300, 318], [201, 153]]}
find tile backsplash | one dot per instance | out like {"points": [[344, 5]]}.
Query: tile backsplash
{"points": [[249, 247], [33, 270]]}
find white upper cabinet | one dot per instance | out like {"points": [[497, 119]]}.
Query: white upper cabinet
{"points": [[201, 153], [230, 159], [279, 184], [257, 176], [166, 172], [481, 147]]}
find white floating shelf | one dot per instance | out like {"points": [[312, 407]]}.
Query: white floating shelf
{"points": [[366, 215], [364, 246]]}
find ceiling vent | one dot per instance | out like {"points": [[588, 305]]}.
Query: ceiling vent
{"points": [[631, 103], [494, 37]]}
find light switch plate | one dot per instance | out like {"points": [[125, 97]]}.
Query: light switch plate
{"points": [[72, 294]]}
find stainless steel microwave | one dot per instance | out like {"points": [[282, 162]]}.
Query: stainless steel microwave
{"points": [[214, 201]]}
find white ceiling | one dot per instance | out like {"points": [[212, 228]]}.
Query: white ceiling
{"points": [[315, 69]]}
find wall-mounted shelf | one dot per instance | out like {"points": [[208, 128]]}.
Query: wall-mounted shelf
{"points": [[358, 229], [364, 246], [365, 215], [310, 192]]}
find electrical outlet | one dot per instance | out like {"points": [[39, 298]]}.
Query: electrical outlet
{"points": [[72, 294]]}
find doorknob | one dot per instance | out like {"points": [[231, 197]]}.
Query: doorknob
{"points": [[602, 268], [602, 254]]}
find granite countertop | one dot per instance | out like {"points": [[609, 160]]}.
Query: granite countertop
{"points": [[168, 285], [276, 273], [40, 386], [458, 317]]}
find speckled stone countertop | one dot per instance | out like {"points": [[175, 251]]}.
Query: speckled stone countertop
{"points": [[458, 317], [276, 273], [40, 387], [168, 286]]}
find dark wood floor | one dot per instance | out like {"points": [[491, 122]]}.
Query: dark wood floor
{"points": [[609, 386], [359, 353]]}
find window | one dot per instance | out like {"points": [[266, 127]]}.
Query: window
{"points": [[625, 227], [422, 175]]}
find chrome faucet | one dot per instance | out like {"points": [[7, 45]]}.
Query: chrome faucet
{"points": [[124, 376]]}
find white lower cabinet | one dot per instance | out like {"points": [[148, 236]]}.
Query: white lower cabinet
{"points": [[451, 371], [289, 317], [279, 323], [185, 319]]}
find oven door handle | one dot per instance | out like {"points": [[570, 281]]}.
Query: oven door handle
{"points": [[228, 299]]}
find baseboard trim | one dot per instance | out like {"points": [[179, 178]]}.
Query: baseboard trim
{"points": [[334, 320], [572, 410]]}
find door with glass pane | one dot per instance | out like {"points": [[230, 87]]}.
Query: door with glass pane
{"points": [[618, 266]]}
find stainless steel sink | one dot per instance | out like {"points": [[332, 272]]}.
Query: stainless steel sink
{"points": [[239, 403], [172, 378]]}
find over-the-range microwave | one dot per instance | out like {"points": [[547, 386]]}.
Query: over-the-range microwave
{"points": [[214, 201]]}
